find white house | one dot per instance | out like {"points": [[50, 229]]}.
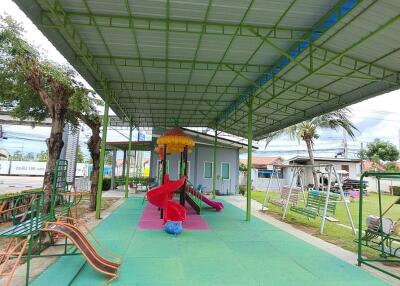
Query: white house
{"points": [[262, 170], [347, 167]]}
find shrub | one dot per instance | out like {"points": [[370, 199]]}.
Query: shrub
{"points": [[140, 180], [120, 181], [242, 189], [106, 184], [395, 190]]}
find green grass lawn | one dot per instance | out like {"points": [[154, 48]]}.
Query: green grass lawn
{"points": [[333, 232]]}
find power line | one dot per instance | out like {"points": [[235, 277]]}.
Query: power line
{"points": [[381, 119]]}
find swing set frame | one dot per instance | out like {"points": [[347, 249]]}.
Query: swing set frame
{"points": [[298, 176]]}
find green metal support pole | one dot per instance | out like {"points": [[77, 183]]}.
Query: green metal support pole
{"points": [[214, 166], [249, 154], [102, 154], [360, 220], [128, 162]]}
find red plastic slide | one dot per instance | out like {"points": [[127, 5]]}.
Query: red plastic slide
{"points": [[161, 197], [218, 206]]}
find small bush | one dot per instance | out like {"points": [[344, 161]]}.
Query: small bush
{"points": [[395, 190], [106, 184], [242, 190], [120, 181], [140, 180]]}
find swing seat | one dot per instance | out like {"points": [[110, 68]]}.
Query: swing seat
{"points": [[315, 205], [294, 197], [376, 236], [304, 211]]}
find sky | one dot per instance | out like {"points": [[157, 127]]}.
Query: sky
{"points": [[378, 117]]}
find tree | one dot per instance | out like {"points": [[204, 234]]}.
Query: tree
{"points": [[93, 121], [391, 167], [80, 158], [108, 158], [35, 88], [86, 111], [29, 157], [242, 167], [307, 131], [17, 156], [42, 156], [380, 150]]}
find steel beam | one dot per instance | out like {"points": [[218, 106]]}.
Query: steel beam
{"points": [[202, 33], [127, 99], [249, 157], [172, 87], [169, 110], [102, 155], [178, 64], [354, 45], [259, 45], [336, 57], [214, 165], [105, 43], [177, 26], [279, 50], [57, 15], [324, 24], [364, 69], [250, 5], [128, 162]]}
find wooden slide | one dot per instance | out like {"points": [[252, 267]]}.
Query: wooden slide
{"points": [[78, 238]]}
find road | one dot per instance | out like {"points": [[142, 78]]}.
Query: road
{"points": [[12, 184]]}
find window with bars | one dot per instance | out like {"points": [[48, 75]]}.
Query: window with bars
{"points": [[208, 170], [225, 171]]}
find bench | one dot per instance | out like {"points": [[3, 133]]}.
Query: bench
{"points": [[293, 199], [27, 227], [315, 205]]}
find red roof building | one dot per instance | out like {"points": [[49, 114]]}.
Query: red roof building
{"points": [[264, 162]]}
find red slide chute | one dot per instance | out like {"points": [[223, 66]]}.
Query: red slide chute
{"points": [[161, 197]]}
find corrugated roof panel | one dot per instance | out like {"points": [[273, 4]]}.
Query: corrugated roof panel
{"points": [[266, 13], [182, 46], [305, 13], [142, 71], [229, 11], [154, 75], [213, 47], [104, 6], [72, 5], [391, 61], [189, 10]]}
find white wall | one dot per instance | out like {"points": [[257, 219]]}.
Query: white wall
{"points": [[261, 184], [31, 168], [354, 171], [385, 184]]}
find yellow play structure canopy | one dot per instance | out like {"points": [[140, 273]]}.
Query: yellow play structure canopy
{"points": [[175, 140]]}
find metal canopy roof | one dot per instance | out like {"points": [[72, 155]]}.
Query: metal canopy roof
{"points": [[197, 63]]}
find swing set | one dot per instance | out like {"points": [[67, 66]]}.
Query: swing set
{"points": [[316, 203], [382, 234]]}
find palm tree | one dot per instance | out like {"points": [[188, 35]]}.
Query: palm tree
{"points": [[307, 131]]}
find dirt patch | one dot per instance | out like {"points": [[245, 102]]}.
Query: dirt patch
{"points": [[83, 212]]}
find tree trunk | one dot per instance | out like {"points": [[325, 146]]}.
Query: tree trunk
{"points": [[312, 162], [94, 149], [57, 105], [54, 145]]}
